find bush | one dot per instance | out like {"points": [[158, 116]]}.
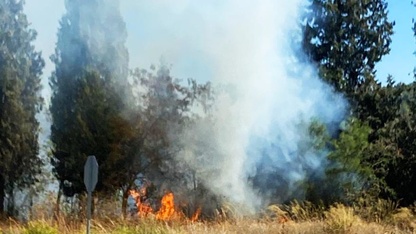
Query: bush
{"points": [[276, 211], [379, 211], [404, 219], [305, 211], [340, 219], [40, 227]]}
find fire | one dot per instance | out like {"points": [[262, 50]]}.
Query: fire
{"points": [[143, 208], [167, 209], [283, 219], [196, 215]]}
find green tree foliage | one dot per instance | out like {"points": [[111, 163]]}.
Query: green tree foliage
{"points": [[346, 39], [89, 87], [350, 169], [162, 114], [20, 70], [389, 111], [394, 141], [95, 128], [318, 143], [347, 160]]}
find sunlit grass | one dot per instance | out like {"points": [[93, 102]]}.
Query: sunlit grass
{"points": [[236, 226], [297, 217]]}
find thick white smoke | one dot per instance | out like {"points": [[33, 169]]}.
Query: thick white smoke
{"points": [[248, 47]]}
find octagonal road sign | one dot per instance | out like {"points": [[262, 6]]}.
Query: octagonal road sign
{"points": [[90, 173]]}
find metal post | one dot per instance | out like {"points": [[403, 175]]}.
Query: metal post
{"points": [[89, 212], [90, 181]]}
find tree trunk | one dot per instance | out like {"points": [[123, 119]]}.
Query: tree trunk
{"points": [[58, 203], [2, 195], [124, 203]]}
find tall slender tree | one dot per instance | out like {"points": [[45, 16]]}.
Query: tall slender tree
{"points": [[20, 70], [88, 84]]}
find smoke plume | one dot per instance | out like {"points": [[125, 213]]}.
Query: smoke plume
{"points": [[268, 97]]}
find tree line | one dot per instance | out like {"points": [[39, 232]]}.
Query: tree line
{"points": [[126, 118]]}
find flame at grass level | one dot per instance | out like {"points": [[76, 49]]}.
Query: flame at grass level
{"points": [[143, 209], [167, 206], [167, 209], [196, 215]]}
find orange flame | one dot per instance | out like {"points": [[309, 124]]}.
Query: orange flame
{"points": [[143, 209], [196, 215], [167, 209], [283, 219]]}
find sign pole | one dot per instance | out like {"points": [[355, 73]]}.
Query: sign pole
{"points": [[89, 212], [90, 181]]}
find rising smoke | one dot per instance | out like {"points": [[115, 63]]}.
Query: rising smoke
{"points": [[258, 128], [253, 141]]}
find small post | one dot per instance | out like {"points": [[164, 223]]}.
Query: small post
{"points": [[89, 201]]}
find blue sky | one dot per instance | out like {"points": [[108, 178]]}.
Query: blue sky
{"points": [[401, 60], [151, 22]]}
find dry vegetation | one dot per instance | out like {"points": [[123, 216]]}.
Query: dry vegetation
{"points": [[298, 217], [344, 225]]}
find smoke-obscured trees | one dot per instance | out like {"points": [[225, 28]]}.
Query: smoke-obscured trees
{"points": [[20, 70], [95, 128], [165, 108], [348, 169], [89, 85], [346, 39], [95, 112]]}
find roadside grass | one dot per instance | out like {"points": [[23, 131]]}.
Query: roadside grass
{"points": [[296, 217]]}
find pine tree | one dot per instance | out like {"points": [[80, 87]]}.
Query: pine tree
{"points": [[20, 70], [346, 39]]}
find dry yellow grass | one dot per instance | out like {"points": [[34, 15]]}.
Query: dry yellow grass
{"points": [[294, 218], [225, 227]]}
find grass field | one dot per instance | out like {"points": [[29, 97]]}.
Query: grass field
{"points": [[379, 217], [239, 226]]}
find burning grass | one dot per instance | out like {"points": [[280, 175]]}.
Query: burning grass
{"points": [[297, 217], [167, 210]]}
